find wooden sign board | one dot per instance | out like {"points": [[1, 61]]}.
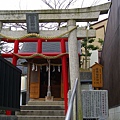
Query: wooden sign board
{"points": [[97, 80]]}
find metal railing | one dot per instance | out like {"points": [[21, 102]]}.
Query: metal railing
{"points": [[70, 106]]}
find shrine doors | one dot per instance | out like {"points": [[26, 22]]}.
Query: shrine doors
{"points": [[39, 80], [35, 83]]}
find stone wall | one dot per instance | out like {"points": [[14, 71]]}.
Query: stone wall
{"points": [[85, 75]]}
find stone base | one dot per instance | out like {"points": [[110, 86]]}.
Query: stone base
{"points": [[5, 117], [48, 98]]}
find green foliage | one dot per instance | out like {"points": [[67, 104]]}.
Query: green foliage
{"points": [[87, 45], [100, 41], [92, 47], [87, 53], [91, 40]]}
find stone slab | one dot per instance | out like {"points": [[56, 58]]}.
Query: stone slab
{"points": [[85, 75]]}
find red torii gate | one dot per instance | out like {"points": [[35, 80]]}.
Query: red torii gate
{"points": [[39, 41]]}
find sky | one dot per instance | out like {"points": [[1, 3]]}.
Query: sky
{"points": [[38, 4]]}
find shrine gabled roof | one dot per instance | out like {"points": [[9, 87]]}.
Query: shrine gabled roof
{"points": [[49, 47], [46, 47]]}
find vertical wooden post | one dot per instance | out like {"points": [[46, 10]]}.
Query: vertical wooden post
{"points": [[39, 50], [14, 62], [28, 82], [64, 74]]}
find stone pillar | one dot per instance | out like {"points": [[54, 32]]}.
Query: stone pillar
{"points": [[74, 66]]}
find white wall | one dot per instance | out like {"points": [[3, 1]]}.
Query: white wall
{"points": [[23, 83], [23, 87], [94, 57]]}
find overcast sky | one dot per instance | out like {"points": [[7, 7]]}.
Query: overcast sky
{"points": [[38, 4]]}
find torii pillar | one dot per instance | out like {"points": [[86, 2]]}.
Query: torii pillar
{"points": [[74, 66]]}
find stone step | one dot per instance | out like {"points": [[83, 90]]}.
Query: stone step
{"points": [[42, 112], [42, 107], [8, 117], [40, 117], [45, 102]]}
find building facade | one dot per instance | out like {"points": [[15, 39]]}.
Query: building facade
{"points": [[100, 28], [111, 60]]}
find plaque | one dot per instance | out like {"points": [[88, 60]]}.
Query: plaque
{"points": [[32, 21]]}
